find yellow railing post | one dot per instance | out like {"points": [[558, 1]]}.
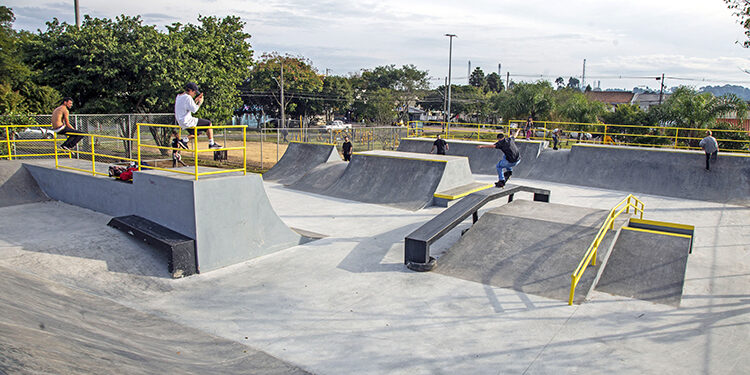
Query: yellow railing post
{"points": [[138, 142], [7, 141], [54, 147], [244, 151], [195, 153], [93, 156], [676, 132], [604, 137]]}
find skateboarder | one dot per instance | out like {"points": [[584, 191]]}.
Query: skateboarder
{"points": [[185, 106], [710, 147], [441, 146], [511, 156]]}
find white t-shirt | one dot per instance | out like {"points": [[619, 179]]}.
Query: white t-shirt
{"points": [[184, 107]]}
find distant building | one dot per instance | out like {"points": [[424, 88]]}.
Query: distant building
{"points": [[611, 98], [647, 100]]}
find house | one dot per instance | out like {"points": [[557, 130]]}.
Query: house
{"points": [[611, 98]]}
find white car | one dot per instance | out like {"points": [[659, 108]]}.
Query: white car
{"points": [[36, 133], [338, 125]]}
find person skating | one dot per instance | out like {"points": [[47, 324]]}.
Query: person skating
{"points": [[511, 156]]}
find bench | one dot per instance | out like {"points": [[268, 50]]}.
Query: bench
{"points": [[417, 244], [180, 249]]}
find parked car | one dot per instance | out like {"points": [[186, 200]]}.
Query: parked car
{"points": [[338, 125], [36, 133]]}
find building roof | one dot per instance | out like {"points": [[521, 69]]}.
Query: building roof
{"points": [[611, 97]]}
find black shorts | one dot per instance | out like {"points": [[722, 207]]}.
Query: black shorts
{"points": [[201, 122]]}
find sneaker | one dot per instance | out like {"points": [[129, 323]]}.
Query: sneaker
{"points": [[66, 148], [500, 184], [183, 144], [507, 174], [215, 145]]}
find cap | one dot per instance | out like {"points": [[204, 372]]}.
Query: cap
{"points": [[192, 86]]}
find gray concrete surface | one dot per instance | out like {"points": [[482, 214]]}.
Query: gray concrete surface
{"points": [[229, 216], [646, 266], [17, 186], [49, 328], [347, 304], [398, 179], [672, 173], [530, 247], [481, 161], [300, 158]]}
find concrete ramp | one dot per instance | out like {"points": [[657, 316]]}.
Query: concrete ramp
{"points": [[300, 158], [46, 327], [17, 186], [321, 177], [647, 265], [531, 247], [229, 216], [398, 179], [481, 161]]}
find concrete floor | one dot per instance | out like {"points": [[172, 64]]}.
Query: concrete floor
{"points": [[347, 304]]}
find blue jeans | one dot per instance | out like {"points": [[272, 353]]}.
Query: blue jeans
{"points": [[505, 164]]}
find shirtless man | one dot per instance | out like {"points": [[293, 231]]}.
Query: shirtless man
{"points": [[61, 124]]}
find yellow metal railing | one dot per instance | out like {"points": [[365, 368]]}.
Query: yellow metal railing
{"points": [[600, 133], [195, 151], [9, 142], [92, 153], [590, 256]]}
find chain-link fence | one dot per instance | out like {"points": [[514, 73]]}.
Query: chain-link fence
{"points": [[264, 147]]}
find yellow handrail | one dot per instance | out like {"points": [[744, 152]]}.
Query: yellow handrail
{"points": [[590, 255], [195, 151]]}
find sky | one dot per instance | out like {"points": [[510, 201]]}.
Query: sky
{"points": [[626, 44]]}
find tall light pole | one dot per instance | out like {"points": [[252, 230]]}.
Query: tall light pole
{"points": [[78, 14], [450, 61]]}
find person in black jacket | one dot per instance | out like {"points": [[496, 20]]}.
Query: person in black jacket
{"points": [[346, 147], [441, 146], [511, 156]]}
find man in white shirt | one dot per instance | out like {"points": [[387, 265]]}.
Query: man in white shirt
{"points": [[184, 107], [710, 147]]}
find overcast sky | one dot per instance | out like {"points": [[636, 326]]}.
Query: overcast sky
{"points": [[691, 39]]}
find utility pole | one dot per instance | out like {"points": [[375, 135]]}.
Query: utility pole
{"points": [[583, 77], [661, 90], [78, 14], [445, 103], [282, 96], [450, 61], [507, 81], [499, 65], [468, 75]]}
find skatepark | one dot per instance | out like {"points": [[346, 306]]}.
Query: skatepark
{"points": [[304, 269]]}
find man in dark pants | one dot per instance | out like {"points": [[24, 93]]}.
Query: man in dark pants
{"points": [[346, 147], [61, 125], [710, 147], [511, 156], [441, 146]]}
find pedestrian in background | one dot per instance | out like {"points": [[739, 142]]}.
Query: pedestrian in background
{"points": [[346, 148], [441, 146], [527, 129], [710, 147]]}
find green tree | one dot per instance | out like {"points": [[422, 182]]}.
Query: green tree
{"points": [[18, 92], [573, 83], [494, 82], [337, 95], [560, 82], [406, 84], [576, 107], [524, 100], [477, 78], [301, 82]]}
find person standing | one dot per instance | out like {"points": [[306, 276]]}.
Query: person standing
{"points": [[556, 137], [710, 147], [441, 146], [187, 103], [528, 127], [346, 147], [61, 124], [511, 156]]}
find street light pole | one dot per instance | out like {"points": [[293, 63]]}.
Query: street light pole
{"points": [[450, 62], [78, 14]]}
